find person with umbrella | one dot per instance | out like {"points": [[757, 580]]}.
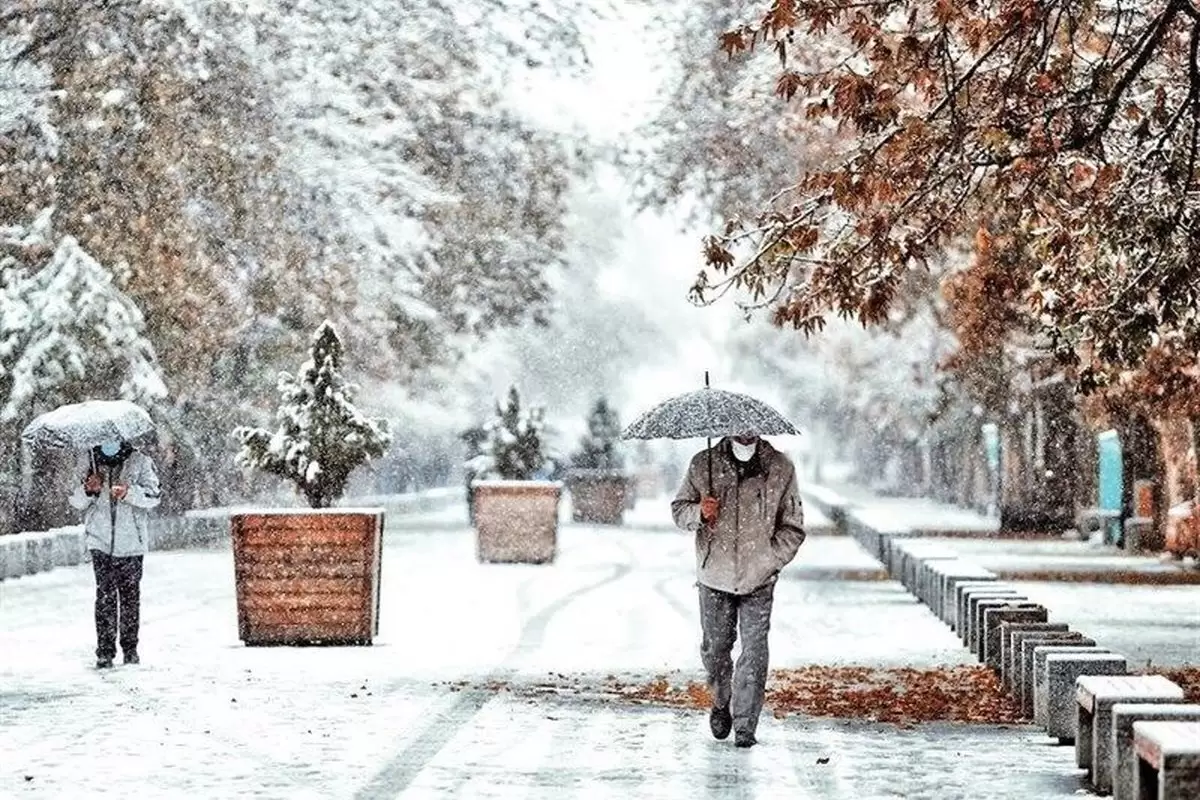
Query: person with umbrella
{"points": [[742, 500], [115, 486]]}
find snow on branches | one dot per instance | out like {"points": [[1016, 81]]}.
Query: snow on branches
{"points": [[512, 445], [600, 447], [67, 332], [322, 437], [1074, 125]]}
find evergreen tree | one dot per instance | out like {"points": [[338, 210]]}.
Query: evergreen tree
{"points": [[515, 448], [67, 332], [322, 437], [600, 448]]}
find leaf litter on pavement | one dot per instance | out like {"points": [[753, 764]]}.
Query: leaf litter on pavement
{"points": [[904, 696]]}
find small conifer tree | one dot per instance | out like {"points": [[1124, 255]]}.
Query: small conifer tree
{"points": [[322, 437]]}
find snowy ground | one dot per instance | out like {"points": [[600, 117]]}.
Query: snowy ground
{"points": [[206, 717]]}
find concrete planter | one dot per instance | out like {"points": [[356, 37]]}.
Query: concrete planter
{"points": [[598, 496], [516, 521], [307, 577]]}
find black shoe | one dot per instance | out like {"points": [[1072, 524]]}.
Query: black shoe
{"points": [[104, 663], [131, 657], [720, 721], [744, 739]]}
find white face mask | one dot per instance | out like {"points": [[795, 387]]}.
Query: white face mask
{"points": [[744, 452]]}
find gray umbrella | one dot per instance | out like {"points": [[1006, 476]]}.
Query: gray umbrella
{"points": [[707, 413], [83, 425]]}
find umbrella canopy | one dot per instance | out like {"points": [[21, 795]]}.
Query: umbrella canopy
{"points": [[83, 425], [709, 413]]}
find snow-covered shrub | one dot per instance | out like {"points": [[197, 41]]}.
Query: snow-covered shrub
{"points": [[514, 447], [321, 437], [600, 447]]}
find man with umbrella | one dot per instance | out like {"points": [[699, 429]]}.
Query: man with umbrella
{"points": [[741, 499], [115, 486]]}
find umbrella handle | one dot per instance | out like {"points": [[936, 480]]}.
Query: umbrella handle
{"points": [[710, 481]]}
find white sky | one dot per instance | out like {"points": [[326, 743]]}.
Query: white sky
{"points": [[619, 94]]}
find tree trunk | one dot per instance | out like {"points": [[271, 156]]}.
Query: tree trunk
{"points": [[1059, 471]]}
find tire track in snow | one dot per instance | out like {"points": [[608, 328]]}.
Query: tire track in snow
{"points": [[689, 614], [400, 772]]}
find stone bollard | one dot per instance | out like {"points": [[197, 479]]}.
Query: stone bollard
{"points": [[1033, 661], [1049, 632], [12, 556], [1058, 685], [979, 607], [994, 619], [947, 591], [965, 591]]}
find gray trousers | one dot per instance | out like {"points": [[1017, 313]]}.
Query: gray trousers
{"points": [[721, 614]]}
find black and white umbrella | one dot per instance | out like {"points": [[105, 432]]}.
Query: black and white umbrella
{"points": [[80, 426], [707, 414]]}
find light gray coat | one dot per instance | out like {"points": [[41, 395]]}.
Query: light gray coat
{"points": [[760, 526], [119, 528]]}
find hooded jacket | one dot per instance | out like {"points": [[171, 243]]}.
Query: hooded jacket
{"points": [[119, 528], [760, 524]]}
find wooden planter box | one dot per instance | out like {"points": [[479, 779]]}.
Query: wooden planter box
{"points": [[598, 496], [516, 521], [307, 577]]}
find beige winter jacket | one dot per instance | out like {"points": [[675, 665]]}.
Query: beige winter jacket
{"points": [[760, 525]]}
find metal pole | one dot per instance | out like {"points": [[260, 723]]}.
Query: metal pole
{"points": [[710, 479]]}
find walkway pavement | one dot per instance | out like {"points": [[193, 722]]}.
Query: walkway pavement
{"points": [[205, 717]]}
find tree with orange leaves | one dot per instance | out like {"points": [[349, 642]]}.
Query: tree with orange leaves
{"points": [[1077, 123]]}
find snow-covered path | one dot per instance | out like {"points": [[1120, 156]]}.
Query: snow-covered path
{"points": [[204, 716]]}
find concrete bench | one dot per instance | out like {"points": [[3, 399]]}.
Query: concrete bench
{"points": [[1042, 633], [964, 591], [979, 606], [1168, 759], [1030, 664], [1095, 696], [1008, 634], [993, 630], [922, 568], [1124, 715], [1054, 687]]}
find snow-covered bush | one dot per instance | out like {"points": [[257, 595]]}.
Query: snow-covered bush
{"points": [[600, 447], [514, 444], [321, 437]]}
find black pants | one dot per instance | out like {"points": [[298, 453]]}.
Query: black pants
{"points": [[118, 602]]}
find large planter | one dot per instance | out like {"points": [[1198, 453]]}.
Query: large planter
{"points": [[307, 577], [598, 496], [516, 521]]}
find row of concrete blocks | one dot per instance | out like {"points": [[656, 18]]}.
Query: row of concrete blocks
{"points": [[1076, 690], [31, 552], [40, 551]]}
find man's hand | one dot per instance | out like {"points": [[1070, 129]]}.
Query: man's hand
{"points": [[93, 483], [709, 508], [119, 490]]}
